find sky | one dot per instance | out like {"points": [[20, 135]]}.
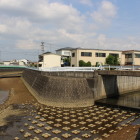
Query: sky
{"points": [[95, 24]]}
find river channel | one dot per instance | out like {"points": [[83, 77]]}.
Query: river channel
{"points": [[25, 118]]}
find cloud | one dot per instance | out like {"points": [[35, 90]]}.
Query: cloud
{"points": [[86, 2], [3, 28], [25, 23], [41, 21], [105, 13], [26, 44]]}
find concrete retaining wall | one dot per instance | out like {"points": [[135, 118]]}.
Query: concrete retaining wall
{"points": [[78, 89], [113, 85], [59, 91], [11, 69]]}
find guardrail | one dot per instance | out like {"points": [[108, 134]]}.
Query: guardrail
{"points": [[70, 69], [106, 67]]}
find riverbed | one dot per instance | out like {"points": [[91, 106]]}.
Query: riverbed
{"points": [[22, 117]]}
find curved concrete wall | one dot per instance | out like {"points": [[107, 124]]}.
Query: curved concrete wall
{"points": [[78, 89], [59, 91]]}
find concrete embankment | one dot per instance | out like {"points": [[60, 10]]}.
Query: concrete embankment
{"points": [[112, 84], [78, 89], [57, 90]]}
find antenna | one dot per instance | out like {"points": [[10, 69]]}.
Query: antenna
{"points": [[42, 47]]}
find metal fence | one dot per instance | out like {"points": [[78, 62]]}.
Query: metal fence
{"points": [[106, 67], [69, 69]]}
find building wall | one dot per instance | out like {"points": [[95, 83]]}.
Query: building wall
{"points": [[6, 62], [93, 59], [134, 59], [64, 52], [137, 59], [52, 60], [74, 59]]}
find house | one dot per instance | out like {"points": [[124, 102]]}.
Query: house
{"points": [[65, 55], [132, 57], [23, 62], [66, 52], [93, 55], [48, 59], [6, 62]]}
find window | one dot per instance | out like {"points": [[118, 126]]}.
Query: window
{"points": [[128, 55], [86, 54], [114, 54], [137, 55], [128, 63], [73, 54], [100, 54], [67, 53]]}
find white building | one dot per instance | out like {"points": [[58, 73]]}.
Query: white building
{"points": [[65, 55], [6, 62], [48, 59], [23, 62], [66, 52]]}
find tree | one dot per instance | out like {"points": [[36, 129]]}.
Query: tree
{"points": [[116, 60], [67, 61], [88, 64], [84, 64], [81, 63], [112, 60]]}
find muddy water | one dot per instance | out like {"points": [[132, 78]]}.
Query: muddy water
{"points": [[19, 93], [130, 100], [40, 122]]}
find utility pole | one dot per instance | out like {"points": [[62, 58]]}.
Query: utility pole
{"points": [[38, 59], [42, 50], [42, 47]]}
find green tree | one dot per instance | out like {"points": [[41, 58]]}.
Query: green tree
{"points": [[112, 60], [84, 64], [116, 60], [81, 63], [88, 64]]}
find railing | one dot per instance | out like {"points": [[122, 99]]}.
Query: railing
{"points": [[107, 67], [70, 69]]}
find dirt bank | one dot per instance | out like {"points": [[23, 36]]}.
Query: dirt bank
{"points": [[19, 94]]}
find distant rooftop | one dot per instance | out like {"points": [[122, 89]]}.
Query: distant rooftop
{"points": [[48, 53], [69, 48], [95, 49], [131, 51], [66, 48]]}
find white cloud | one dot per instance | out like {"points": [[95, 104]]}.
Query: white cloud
{"points": [[105, 13], [26, 44], [3, 28], [28, 22]]}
